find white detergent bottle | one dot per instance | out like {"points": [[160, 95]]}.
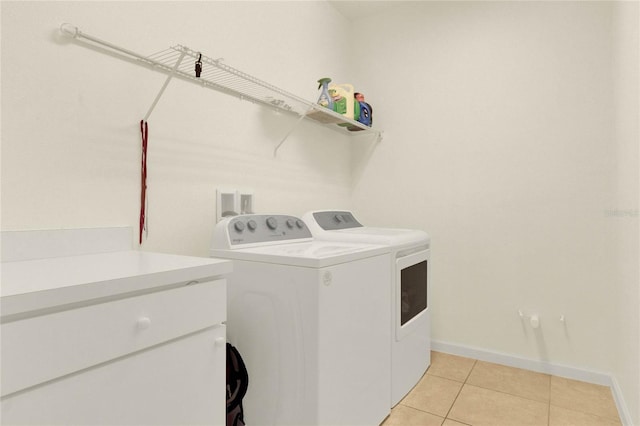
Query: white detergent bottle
{"points": [[343, 99]]}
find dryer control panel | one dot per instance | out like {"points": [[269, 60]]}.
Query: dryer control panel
{"points": [[333, 220], [255, 229]]}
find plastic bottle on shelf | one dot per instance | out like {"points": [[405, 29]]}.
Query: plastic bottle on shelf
{"points": [[325, 100], [343, 100]]}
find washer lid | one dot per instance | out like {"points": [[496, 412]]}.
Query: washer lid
{"points": [[312, 254]]}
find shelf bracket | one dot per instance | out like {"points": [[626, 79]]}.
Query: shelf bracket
{"points": [[164, 86], [286, 136], [75, 33]]}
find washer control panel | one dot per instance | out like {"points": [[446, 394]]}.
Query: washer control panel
{"points": [[332, 220], [256, 228]]}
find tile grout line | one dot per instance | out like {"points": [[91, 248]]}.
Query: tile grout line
{"points": [[504, 392], [577, 410], [549, 400], [507, 393], [475, 361]]}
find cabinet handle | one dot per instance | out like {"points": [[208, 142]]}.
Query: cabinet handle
{"points": [[220, 341], [143, 323]]}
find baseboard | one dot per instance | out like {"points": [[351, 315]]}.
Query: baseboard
{"points": [[540, 367], [623, 411]]}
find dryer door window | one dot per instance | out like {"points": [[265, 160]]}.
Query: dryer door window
{"points": [[413, 291]]}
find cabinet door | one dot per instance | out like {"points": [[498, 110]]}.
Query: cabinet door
{"points": [[181, 382], [45, 347]]}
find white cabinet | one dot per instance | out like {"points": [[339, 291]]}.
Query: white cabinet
{"points": [[157, 358], [137, 354], [180, 382]]}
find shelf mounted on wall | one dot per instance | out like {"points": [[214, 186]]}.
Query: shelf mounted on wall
{"points": [[216, 75]]}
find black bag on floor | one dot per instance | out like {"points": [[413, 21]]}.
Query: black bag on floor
{"points": [[237, 385]]}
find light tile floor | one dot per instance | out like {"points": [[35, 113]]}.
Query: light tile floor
{"points": [[457, 391]]}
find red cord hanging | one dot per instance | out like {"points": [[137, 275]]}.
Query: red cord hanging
{"points": [[144, 130]]}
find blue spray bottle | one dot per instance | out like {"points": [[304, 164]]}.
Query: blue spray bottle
{"points": [[325, 99]]}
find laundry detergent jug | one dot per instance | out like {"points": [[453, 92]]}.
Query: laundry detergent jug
{"points": [[343, 99]]}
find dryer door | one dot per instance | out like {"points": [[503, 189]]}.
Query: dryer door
{"points": [[411, 292]]}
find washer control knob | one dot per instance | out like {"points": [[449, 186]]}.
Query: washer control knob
{"points": [[299, 224], [272, 223], [252, 225], [239, 226], [337, 218], [290, 223]]}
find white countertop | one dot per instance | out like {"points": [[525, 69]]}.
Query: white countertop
{"points": [[31, 285]]}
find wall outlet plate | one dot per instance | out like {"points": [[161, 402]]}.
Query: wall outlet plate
{"points": [[232, 202]]}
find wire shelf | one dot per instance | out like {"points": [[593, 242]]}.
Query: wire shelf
{"points": [[221, 77]]}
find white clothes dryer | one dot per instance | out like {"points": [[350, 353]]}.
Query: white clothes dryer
{"points": [[311, 321], [409, 290]]}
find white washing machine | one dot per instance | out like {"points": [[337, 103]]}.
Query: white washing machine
{"points": [[311, 321], [409, 290]]}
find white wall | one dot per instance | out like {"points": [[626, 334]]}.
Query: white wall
{"points": [[499, 142], [624, 217], [70, 116]]}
